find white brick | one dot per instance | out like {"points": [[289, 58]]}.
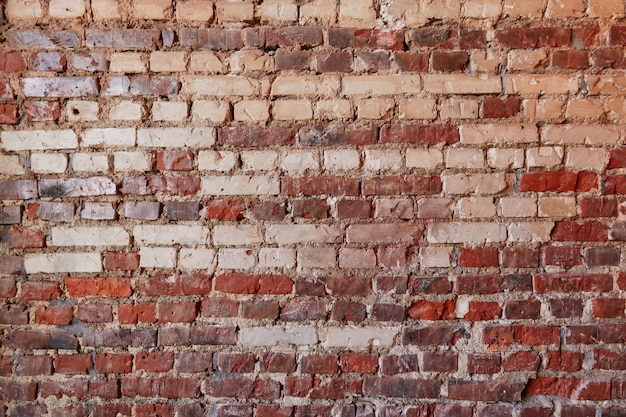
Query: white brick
{"points": [[277, 258], [66, 8], [471, 207], [482, 9], [90, 162], [169, 111], [486, 61], [197, 258], [105, 9], [462, 84], [542, 109], [302, 233], [206, 62], [168, 61], [89, 236], [435, 256], [465, 158], [212, 111], [82, 111], [317, 257], [341, 159], [171, 235], [223, 161], [246, 61], [277, 11], [23, 9], [98, 211], [376, 108], [157, 257], [51, 263], [474, 183], [252, 110], [131, 161], [358, 337], [458, 108], [357, 258], [518, 207], [220, 85], [417, 108], [540, 84], [499, 134], [530, 232], [292, 110], [428, 158], [201, 10], [299, 161], [278, 335], [172, 137], [239, 235], [240, 185], [594, 159], [11, 165], [526, 59], [38, 140], [126, 110], [312, 85], [468, 233], [127, 62], [357, 13], [108, 137], [545, 156], [229, 258], [399, 208], [441, 9], [580, 134], [382, 160], [505, 158], [318, 10], [333, 109], [48, 163], [259, 160], [376, 85]]}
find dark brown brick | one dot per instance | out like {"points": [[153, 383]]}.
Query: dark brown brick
{"points": [[449, 61]]}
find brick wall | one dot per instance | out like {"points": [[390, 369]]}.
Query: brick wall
{"points": [[312, 208]]}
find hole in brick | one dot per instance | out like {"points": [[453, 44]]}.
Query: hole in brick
{"points": [[75, 111]]}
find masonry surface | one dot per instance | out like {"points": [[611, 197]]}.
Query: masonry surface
{"points": [[353, 208]]}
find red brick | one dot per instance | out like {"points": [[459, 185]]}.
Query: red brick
{"points": [[9, 114], [153, 184], [392, 386], [614, 184], [95, 313], [498, 108], [522, 309], [522, 361], [123, 38], [174, 160], [225, 209], [350, 311], [571, 231], [124, 261], [430, 134], [98, 287], [588, 35], [348, 286], [432, 310], [534, 37], [54, 315], [388, 312], [6, 92], [25, 238], [602, 256], [219, 307], [298, 386], [47, 61], [608, 307], [267, 210], [362, 363], [566, 256], [40, 290], [18, 390], [160, 85], [617, 158], [12, 62], [89, 61], [42, 111], [113, 363], [570, 59], [520, 257], [154, 410], [433, 37], [72, 364], [236, 283], [566, 307], [393, 257], [9, 215], [333, 62], [539, 411], [439, 361], [398, 364], [573, 283], [292, 60], [182, 210], [429, 285], [483, 310], [483, 363], [245, 388], [255, 136], [336, 389], [176, 312], [216, 39], [563, 360], [598, 206], [260, 309], [549, 181], [432, 336], [277, 362], [617, 35], [161, 387], [13, 314], [302, 36], [235, 362], [8, 288], [379, 38], [449, 61], [310, 208], [411, 61], [478, 257], [303, 310], [521, 334], [137, 313], [372, 62], [354, 209], [33, 365], [192, 362], [608, 58], [112, 410], [335, 186], [154, 361], [18, 189], [319, 364], [266, 410], [485, 390]]}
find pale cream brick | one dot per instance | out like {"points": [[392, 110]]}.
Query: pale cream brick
{"points": [[236, 235], [309, 85], [611, 83], [212, 111], [239, 11], [259, 160], [376, 108], [616, 109], [169, 111], [197, 258], [292, 110], [152, 9], [469, 207], [341, 159], [58, 262], [231, 258], [90, 162], [322, 11], [11, 165], [194, 10], [246, 61], [333, 109], [168, 61], [127, 62], [105, 9], [131, 161], [589, 134], [526, 59], [23, 9], [240, 185], [441, 9], [542, 109], [173, 137], [606, 8], [565, 8], [499, 133], [592, 159], [277, 258], [474, 183], [299, 161], [89, 236], [425, 158], [465, 158], [276, 336], [487, 61], [585, 108], [417, 108], [482, 9], [354, 337], [462, 84], [66, 8], [126, 110], [317, 257], [406, 11], [458, 108], [277, 11], [289, 234], [171, 234], [37, 140], [544, 156], [540, 84], [357, 13], [394, 208], [220, 85], [108, 137], [383, 233], [468, 233], [377, 85], [557, 206], [222, 161], [518, 207], [523, 8], [435, 256], [82, 111], [505, 158], [382, 160], [206, 62], [157, 257], [530, 232], [48, 163], [252, 110]]}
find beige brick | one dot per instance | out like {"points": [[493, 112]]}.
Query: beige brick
{"points": [[247, 61], [198, 10], [82, 111], [66, 8], [354, 337], [465, 158], [26, 140], [309, 85], [406, 11], [580, 134], [434, 208], [462, 84], [616, 109], [299, 161], [357, 13], [530, 232], [11, 165], [377, 108], [557, 206], [333, 109], [458, 108], [383, 233], [518, 207], [469, 207], [377, 85], [585, 108], [23, 9], [526, 59], [157, 257], [240, 259], [322, 11], [429, 158], [89, 236], [173, 137], [474, 183], [435, 256], [394, 207], [544, 156], [499, 133], [277, 11], [341, 159], [542, 109], [482, 9], [606, 8], [486, 61], [441, 9], [127, 62], [417, 108], [259, 160], [289, 234], [206, 62], [197, 258], [52, 263], [565, 8], [168, 61], [505, 158], [292, 110], [382, 160], [152, 9], [237, 235], [171, 234], [252, 110], [239, 11], [357, 258], [48, 163], [275, 336], [592, 159], [277, 258], [540, 84], [90, 162], [220, 85], [126, 110], [169, 111], [523, 8], [222, 161], [132, 161], [607, 84], [105, 9], [467, 233], [211, 111], [317, 257], [240, 185], [108, 137]]}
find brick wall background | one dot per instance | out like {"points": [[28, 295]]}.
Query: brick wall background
{"points": [[312, 208]]}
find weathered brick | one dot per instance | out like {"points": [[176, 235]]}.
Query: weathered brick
{"points": [[43, 39], [59, 86]]}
